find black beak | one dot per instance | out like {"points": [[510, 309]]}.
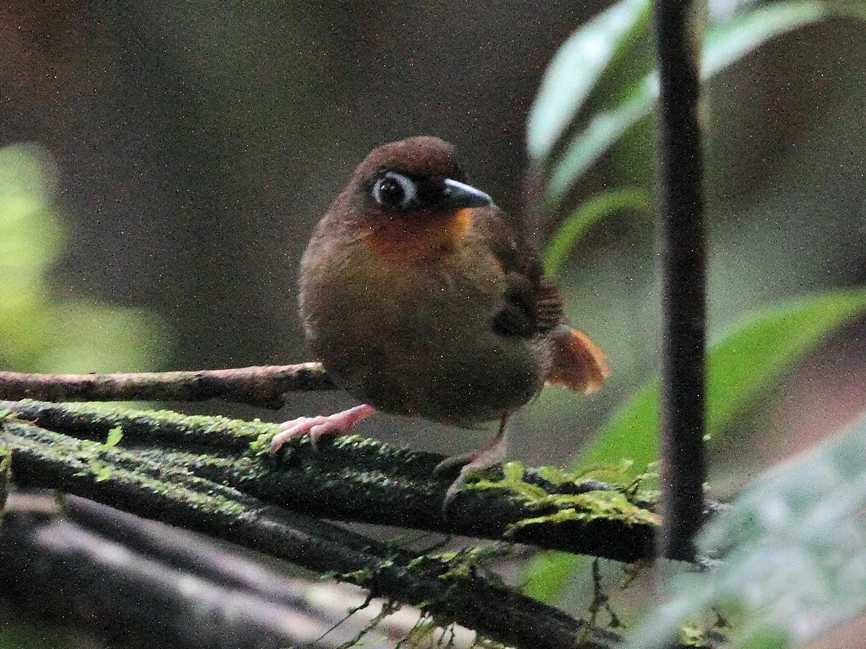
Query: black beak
{"points": [[458, 195]]}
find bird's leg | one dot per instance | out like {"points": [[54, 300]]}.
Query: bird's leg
{"points": [[340, 423], [494, 452]]}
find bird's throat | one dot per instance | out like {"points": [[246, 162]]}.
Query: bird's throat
{"points": [[408, 241]]}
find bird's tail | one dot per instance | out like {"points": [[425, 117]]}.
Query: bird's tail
{"points": [[578, 363]]}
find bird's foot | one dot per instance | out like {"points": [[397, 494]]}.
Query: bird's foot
{"points": [[340, 423], [489, 455], [480, 458]]}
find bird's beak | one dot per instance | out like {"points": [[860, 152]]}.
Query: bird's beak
{"points": [[459, 195]]}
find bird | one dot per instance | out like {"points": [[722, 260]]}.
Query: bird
{"points": [[420, 300]]}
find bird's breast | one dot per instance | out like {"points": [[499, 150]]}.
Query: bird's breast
{"points": [[403, 241], [417, 338]]}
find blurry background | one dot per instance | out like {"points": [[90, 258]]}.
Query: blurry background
{"points": [[163, 164]]}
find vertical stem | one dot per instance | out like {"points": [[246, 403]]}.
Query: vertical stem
{"points": [[683, 268], [5, 482]]}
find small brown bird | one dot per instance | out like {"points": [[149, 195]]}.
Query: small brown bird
{"points": [[421, 301]]}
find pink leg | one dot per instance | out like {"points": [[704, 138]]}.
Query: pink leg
{"points": [[494, 452], [340, 423]]}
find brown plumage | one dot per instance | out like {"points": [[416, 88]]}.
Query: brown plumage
{"points": [[421, 301]]}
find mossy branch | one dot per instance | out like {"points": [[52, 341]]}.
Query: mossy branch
{"points": [[159, 487], [351, 479], [232, 497]]}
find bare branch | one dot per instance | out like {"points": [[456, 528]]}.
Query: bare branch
{"points": [[265, 386]]}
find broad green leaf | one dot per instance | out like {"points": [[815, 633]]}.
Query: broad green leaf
{"points": [[588, 214], [741, 33], [740, 365], [793, 550], [599, 135], [576, 68], [727, 41], [548, 573], [41, 329]]}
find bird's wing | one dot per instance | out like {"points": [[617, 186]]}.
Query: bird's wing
{"points": [[531, 301]]}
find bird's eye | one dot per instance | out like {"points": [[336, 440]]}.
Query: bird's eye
{"points": [[395, 191]]}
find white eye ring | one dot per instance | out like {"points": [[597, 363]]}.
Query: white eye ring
{"points": [[395, 190]]}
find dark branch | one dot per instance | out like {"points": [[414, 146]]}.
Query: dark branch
{"points": [[680, 171], [162, 491], [350, 479], [265, 387], [52, 568], [85, 565]]}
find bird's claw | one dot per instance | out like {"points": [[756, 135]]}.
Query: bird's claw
{"points": [[339, 423]]}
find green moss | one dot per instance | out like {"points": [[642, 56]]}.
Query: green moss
{"points": [[357, 577], [114, 436], [692, 635], [512, 481], [461, 563], [151, 472], [159, 422], [610, 504], [597, 472], [591, 506], [421, 634]]}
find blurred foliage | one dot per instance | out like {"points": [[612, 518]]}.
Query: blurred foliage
{"points": [[588, 214], [42, 330], [600, 89], [40, 637], [741, 365], [793, 554], [592, 56], [597, 91]]}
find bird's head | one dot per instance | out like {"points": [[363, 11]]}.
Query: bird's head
{"points": [[409, 201], [415, 178]]}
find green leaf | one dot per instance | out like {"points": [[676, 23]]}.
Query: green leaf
{"points": [[599, 135], [794, 552], [727, 41], [576, 68], [548, 573], [739, 366], [739, 34], [587, 215]]}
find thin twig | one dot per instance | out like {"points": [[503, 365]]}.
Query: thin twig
{"points": [[265, 386], [683, 263]]}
